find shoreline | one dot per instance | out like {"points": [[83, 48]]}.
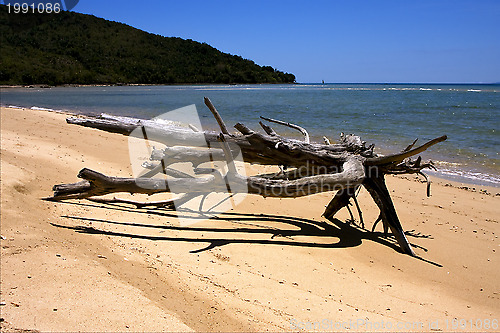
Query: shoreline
{"points": [[266, 265], [283, 83], [71, 85]]}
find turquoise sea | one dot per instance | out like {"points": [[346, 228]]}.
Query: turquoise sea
{"points": [[389, 115]]}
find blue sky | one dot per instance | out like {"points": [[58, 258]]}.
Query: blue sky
{"points": [[432, 41]]}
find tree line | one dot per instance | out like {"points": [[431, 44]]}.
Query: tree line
{"points": [[73, 48]]}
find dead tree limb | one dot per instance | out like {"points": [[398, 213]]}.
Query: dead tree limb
{"points": [[287, 124], [380, 194], [217, 116], [95, 184], [310, 167]]}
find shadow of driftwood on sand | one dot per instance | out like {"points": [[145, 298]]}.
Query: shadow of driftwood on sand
{"points": [[341, 234]]}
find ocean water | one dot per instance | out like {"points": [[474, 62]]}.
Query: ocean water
{"points": [[389, 115]]}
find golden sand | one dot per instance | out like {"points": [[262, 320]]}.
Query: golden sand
{"points": [[273, 264]]}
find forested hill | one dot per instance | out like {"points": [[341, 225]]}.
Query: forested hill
{"points": [[72, 48]]}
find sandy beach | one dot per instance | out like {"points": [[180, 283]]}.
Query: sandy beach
{"points": [[269, 265]]}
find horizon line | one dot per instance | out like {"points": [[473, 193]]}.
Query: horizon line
{"points": [[450, 83]]}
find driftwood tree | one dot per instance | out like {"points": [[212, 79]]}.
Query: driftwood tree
{"points": [[306, 168]]}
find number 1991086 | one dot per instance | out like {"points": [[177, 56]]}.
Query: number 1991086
{"points": [[40, 8]]}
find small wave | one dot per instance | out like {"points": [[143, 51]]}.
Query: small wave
{"points": [[468, 176], [41, 109], [444, 163], [15, 107], [474, 90]]}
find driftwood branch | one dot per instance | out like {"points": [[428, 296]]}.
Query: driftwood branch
{"points": [[96, 184], [297, 127], [306, 168], [268, 129], [216, 115], [397, 158], [380, 194]]}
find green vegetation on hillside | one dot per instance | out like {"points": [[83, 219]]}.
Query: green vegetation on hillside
{"points": [[72, 48]]}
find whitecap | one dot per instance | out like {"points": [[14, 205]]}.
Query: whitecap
{"points": [[41, 109], [467, 176]]}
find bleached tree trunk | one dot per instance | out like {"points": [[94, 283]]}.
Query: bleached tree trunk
{"points": [[312, 167]]}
